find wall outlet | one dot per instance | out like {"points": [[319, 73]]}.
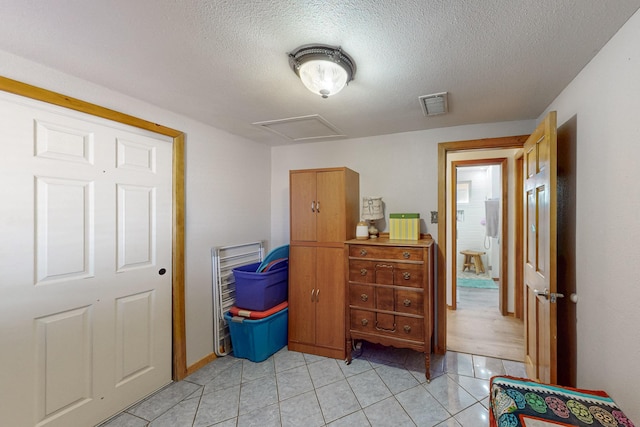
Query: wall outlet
{"points": [[434, 217]]}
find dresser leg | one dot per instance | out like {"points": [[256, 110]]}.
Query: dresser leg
{"points": [[427, 366], [348, 359]]}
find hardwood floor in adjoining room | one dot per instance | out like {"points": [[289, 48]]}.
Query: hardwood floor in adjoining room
{"points": [[477, 327]]}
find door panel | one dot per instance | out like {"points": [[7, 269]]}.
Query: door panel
{"points": [[302, 284], [64, 346], [540, 243], [85, 317], [303, 206], [64, 229], [330, 206], [330, 298]]}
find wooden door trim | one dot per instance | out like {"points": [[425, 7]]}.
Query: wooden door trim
{"points": [[445, 148], [179, 359], [519, 227], [504, 221]]}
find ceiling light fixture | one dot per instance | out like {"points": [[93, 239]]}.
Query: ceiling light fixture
{"points": [[323, 69]]}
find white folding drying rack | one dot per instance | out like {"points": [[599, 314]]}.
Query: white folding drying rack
{"points": [[223, 260]]}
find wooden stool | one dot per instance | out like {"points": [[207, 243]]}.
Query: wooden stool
{"points": [[473, 259]]}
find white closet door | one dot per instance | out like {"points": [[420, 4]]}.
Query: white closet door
{"points": [[85, 262]]}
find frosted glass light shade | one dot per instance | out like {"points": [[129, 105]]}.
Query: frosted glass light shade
{"points": [[323, 69], [323, 77]]}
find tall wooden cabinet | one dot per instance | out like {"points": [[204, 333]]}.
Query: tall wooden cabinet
{"points": [[325, 208]]}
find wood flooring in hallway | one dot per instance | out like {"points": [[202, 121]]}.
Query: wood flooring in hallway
{"points": [[477, 327]]}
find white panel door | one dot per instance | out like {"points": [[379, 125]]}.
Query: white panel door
{"points": [[85, 256]]}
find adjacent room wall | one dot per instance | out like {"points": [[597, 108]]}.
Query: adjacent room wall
{"points": [[604, 100], [227, 187]]}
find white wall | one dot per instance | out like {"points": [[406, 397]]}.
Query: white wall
{"points": [[227, 187], [401, 168], [605, 100]]}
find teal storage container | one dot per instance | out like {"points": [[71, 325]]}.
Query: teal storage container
{"points": [[256, 340]]}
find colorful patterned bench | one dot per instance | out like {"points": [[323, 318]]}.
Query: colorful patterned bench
{"points": [[518, 402]]}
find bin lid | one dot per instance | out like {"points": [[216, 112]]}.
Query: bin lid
{"points": [[252, 314], [277, 253]]}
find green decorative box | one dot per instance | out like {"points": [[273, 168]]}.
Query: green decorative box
{"points": [[404, 226]]}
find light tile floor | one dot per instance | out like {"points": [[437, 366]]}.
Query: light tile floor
{"points": [[382, 387]]}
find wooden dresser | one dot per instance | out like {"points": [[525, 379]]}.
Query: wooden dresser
{"points": [[390, 293]]}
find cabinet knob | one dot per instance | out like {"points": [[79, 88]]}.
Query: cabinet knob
{"points": [[406, 255], [363, 272], [365, 322], [407, 302], [313, 206], [406, 275], [364, 297], [407, 328], [363, 252]]}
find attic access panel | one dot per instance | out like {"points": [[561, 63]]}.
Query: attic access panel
{"points": [[304, 128]]}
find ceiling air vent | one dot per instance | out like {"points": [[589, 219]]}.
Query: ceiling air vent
{"points": [[434, 104]]}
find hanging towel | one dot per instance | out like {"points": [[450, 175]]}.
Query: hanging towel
{"points": [[492, 209]]}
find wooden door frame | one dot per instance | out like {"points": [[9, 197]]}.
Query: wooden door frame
{"points": [[179, 349], [504, 221], [444, 148]]}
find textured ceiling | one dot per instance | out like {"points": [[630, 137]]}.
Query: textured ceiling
{"points": [[224, 62]]}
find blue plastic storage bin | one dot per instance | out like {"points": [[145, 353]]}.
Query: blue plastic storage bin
{"points": [[261, 291], [256, 340]]}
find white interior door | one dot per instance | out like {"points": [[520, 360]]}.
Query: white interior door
{"points": [[85, 256]]}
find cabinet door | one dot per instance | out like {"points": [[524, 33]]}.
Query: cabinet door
{"points": [[303, 206], [302, 288], [330, 298], [331, 221]]}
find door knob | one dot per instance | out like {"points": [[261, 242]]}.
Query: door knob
{"points": [[544, 293], [552, 296]]}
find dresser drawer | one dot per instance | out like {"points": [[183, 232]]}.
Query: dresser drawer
{"points": [[408, 328], [411, 302], [362, 271], [385, 298], [362, 296], [386, 273], [385, 252]]}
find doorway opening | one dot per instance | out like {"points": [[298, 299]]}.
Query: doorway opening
{"points": [[478, 329], [479, 225], [479, 305]]}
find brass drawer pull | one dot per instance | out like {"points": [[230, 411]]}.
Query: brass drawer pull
{"points": [[407, 328], [406, 255], [406, 275], [363, 272], [363, 252], [364, 297], [365, 322], [407, 302]]}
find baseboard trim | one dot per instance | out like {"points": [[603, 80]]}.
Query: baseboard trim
{"points": [[200, 363]]}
